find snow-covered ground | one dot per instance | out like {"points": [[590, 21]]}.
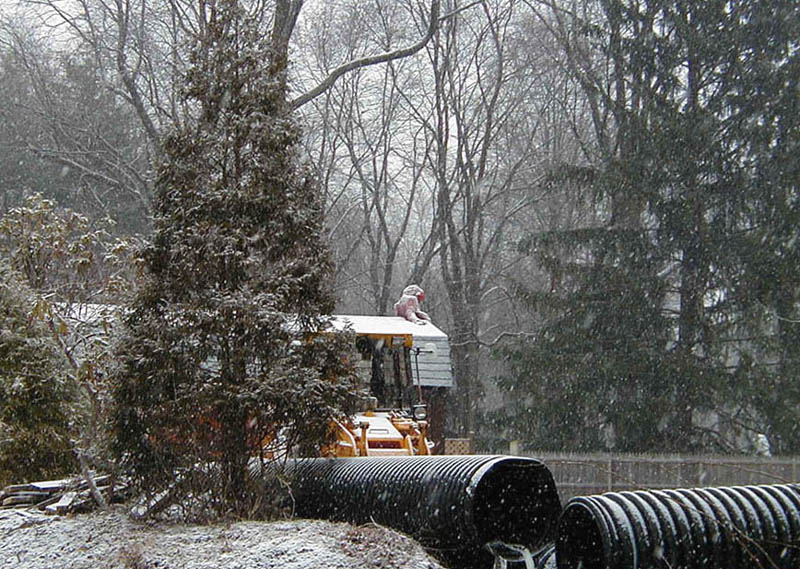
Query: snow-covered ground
{"points": [[32, 540]]}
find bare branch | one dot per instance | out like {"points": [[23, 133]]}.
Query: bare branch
{"points": [[134, 95], [433, 25]]}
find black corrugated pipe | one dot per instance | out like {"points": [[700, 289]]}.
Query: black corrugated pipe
{"points": [[743, 527], [453, 505]]}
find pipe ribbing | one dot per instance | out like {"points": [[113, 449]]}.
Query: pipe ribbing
{"points": [[736, 527], [445, 502]]}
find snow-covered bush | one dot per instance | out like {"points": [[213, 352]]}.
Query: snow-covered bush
{"points": [[35, 390]]}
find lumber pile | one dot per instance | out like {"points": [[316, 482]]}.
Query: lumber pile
{"points": [[57, 496]]}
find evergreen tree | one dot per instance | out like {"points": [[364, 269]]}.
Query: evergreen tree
{"points": [[764, 105], [35, 391], [656, 339], [222, 350], [596, 368]]}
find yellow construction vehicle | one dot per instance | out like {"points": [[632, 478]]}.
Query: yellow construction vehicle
{"points": [[390, 432], [395, 419]]}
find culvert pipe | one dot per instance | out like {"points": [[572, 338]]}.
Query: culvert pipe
{"points": [[454, 505], [736, 527]]}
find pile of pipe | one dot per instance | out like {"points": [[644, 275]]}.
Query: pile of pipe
{"points": [[499, 511], [725, 528]]}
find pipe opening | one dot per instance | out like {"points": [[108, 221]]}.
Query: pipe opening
{"points": [[579, 544], [516, 502]]}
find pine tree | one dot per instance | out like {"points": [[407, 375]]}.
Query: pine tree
{"points": [[674, 328], [221, 350], [764, 104], [596, 368]]}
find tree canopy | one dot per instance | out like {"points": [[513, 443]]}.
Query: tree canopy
{"points": [[602, 192]]}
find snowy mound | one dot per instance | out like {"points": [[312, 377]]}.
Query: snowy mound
{"points": [[31, 540]]}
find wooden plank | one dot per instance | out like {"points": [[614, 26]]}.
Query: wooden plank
{"points": [[53, 485], [64, 503], [14, 488], [25, 498]]}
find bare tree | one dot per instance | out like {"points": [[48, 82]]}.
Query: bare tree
{"points": [[75, 123], [438, 161], [137, 49], [484, 148], [376, 156], [143, 38]]}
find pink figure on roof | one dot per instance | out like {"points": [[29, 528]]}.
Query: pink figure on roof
{"points": [[408, 305]]}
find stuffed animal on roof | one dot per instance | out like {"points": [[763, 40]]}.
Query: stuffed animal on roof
{"points": [[408, 305]]}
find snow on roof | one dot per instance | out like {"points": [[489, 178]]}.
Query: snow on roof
{"points": [[386, 325], [360, 324]]}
